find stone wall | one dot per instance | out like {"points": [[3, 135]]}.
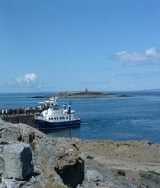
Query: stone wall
{"points": [[26, 119]]}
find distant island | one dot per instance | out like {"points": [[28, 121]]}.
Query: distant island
{"points": [[81, 94]]}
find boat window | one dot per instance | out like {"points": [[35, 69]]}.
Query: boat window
{"points": [[55, 118]]}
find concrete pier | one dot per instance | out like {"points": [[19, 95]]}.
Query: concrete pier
{"points": [[21, 118]]}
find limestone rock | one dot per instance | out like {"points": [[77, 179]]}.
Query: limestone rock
{"points": [[56, 154], [18, 161], [22, 132], [93, 175], [11, 183]]}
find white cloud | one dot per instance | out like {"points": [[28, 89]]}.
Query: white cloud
{"points": [[27, 79], [136, 57], [153, 52]]}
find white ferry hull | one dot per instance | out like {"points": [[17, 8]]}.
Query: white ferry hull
{"points": [[53, 117]]}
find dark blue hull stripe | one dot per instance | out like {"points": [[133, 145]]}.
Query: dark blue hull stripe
{"points": [[44, 125]]}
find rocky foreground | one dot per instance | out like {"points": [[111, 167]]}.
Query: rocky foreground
{"points": [[30, 159]]}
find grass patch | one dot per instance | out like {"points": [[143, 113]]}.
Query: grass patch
{"points": [[33, 146], [55, 185], [1, 158], [155, 173]]}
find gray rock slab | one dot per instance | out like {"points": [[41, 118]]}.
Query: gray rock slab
{"points": [[18, 161], [93, 175]]}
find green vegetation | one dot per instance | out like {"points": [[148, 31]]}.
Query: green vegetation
{"points": [[55, 185], [1, 158], [155, 173], [33, 146]]}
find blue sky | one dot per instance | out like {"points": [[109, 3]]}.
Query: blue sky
{"points": [[70, 45]]}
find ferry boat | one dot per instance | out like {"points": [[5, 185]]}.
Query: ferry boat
{"points": [[54, 117]]}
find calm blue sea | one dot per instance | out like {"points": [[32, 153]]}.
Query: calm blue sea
{"points": [[136, 117]]}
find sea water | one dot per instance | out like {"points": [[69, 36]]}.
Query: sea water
{"points": [[136, 117]]}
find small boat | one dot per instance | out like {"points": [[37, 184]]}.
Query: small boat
{"points": [[54, 117]]}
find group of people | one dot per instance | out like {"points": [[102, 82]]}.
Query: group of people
{"points": [[18, 111]]}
